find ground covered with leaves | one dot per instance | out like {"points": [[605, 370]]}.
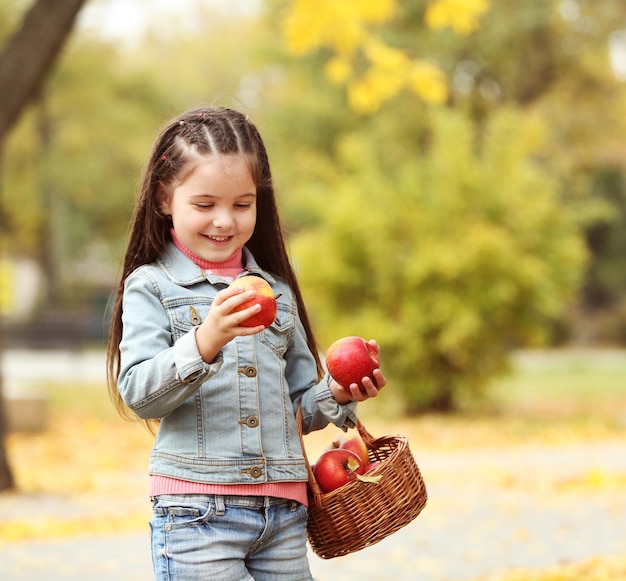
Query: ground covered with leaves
{"points": [[87, 460]]}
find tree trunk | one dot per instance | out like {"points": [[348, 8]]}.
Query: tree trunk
{"points": [[29, 55], [6, 476], [25, 63], [50, 256]]}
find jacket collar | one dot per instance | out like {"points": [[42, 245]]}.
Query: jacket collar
{"points": [[183, 271]]}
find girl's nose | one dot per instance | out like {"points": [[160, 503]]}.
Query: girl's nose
{"points": [[223, 219]]}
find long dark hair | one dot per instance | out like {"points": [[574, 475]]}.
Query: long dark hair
{"points": [[181, 144]]}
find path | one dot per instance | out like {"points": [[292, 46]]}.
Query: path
{"points": [[488, 510]]}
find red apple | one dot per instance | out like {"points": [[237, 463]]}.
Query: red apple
{"points": [[372, 466], [351, 359], [336, 443], [263, 295], [337, 467], [356, 445]]}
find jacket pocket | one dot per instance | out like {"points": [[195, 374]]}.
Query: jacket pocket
{"points": [[186, 314], [280, 334]]}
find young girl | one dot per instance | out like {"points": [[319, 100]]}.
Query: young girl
{"points": [[228, 477]]}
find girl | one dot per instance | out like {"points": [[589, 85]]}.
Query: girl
{"points": [[228, 477]]}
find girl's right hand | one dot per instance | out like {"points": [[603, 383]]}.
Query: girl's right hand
{"points": [[222, 324]]}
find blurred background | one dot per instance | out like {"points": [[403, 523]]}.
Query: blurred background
{"points": [[451, 174]]}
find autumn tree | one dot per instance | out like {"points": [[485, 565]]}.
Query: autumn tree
{"points": [[372, 69], [450, 260], [561, 61], [25, 61], [29, 54], [416, 230]]}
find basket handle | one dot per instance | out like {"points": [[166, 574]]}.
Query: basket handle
{"points": [[316, 491], [365, 435]]}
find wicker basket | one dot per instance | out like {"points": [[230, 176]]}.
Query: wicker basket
{"points": [[360, 514]]}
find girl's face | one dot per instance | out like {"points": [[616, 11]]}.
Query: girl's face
{"points": [[214, 209]]}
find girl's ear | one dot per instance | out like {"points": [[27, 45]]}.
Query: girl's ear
{"points": [[164, 202]]}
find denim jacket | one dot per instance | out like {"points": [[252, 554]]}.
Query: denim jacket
{"points": [[231, 421]]}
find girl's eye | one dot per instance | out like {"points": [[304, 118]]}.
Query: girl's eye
{"points": [[243, 205], [200, 205]]}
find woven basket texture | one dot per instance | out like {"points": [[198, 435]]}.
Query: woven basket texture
{"points": [[360, 514]]}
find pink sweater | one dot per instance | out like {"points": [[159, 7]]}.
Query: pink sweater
{"points": [[297, 491]]}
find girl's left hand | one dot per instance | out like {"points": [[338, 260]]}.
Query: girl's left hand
{"points": [[356, 392]]}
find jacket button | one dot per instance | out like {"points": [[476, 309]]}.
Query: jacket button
{"points": [[194, 318], [251, 422], [255, 472], [248, 371]]}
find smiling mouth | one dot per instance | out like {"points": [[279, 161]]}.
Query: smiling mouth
{"points": [[218, 238]]}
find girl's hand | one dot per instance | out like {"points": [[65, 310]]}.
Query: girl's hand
{"points": [[356, 392], [222, 325]]}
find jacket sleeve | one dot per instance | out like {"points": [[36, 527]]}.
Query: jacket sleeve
{"points": [[157, 375], [319, 407]]}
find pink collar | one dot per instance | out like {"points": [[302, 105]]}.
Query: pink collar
{"points": [[231, 265]]}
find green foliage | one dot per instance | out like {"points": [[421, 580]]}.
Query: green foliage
{"points": [[450, 235], [553, 58], [449, 261], [10, 13], [73, 162], [89, 140]]}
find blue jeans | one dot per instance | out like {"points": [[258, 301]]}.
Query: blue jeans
{"points": [[229, 538]]}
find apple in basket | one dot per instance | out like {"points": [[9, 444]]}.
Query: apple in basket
{"points": [[350, 359], [263, 295], [372, 466], [354, 444], [357, 445], [336, 467]]}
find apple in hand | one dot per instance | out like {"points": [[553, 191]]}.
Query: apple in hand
{"points": [[337, 467], [263, 295], [350, 359]]}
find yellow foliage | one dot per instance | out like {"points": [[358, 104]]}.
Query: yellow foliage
{"points": [[312, 24], [386, 57], [88, 455], [382, 81], [348, 28], [88, 462], [427, 81], [595, 569], [97, 522], [460, 15], [361, 97], [338, 70], [392, 71]]}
